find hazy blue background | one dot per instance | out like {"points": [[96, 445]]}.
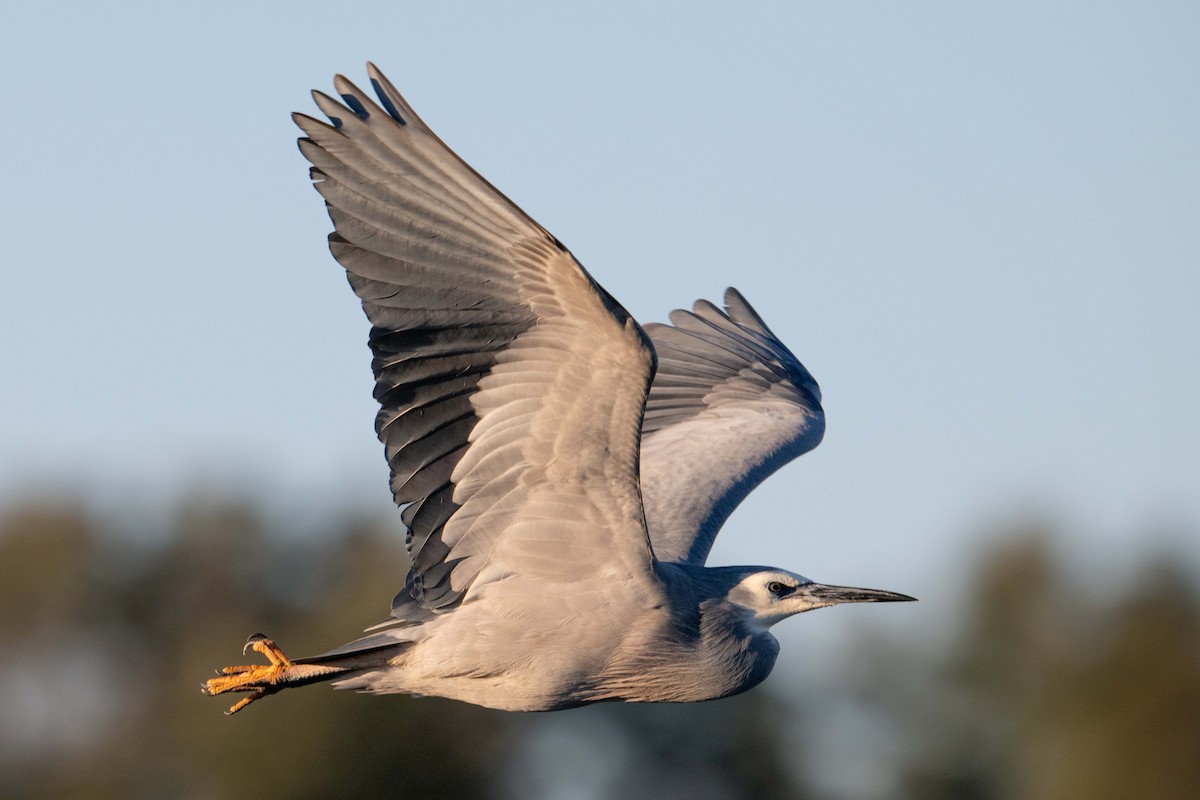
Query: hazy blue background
{"points": [[975, 223]]}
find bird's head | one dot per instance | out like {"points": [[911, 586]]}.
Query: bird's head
{"points": [[770, 595]]}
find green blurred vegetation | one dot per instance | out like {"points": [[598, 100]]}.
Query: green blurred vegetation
{"points": [[1042, 690], [1050, 688]]}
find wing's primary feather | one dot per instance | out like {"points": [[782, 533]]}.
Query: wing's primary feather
{"points": [[510, 384], [729, 405]]}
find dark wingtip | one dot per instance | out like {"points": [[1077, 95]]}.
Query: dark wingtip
{"points": [[355, 105], [379, 84]]}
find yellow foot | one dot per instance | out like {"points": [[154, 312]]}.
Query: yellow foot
{"points": [[261, 680]]}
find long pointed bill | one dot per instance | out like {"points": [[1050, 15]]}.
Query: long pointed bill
{"points": [[849, 594]]}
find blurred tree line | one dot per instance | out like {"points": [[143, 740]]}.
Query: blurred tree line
{"points": [[1043, 691], [1050, 688]]}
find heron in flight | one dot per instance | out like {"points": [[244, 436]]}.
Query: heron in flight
{"points": [[563, 471]]}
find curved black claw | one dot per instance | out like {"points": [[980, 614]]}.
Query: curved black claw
{"points": [[253, 639]]}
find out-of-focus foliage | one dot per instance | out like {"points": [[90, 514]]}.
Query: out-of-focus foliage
{"points": [[1046, 689], [1050, 689]]}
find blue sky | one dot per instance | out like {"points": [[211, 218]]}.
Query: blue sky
{"points": [[975, 223]]}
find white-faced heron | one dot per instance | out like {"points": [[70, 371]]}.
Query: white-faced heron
{"points": [[563, 470]]}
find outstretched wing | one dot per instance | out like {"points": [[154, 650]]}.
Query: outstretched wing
{"points": [[511, 386], [729, 406]]}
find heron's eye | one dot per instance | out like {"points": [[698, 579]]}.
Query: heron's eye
{"points": [[776, 588]]}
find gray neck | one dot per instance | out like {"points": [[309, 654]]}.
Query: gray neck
{"points": [[698, 648]]}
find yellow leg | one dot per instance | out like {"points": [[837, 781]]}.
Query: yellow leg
{"points": [[261, 680], [268, 648]]}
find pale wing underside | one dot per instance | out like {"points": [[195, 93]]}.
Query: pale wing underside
{"points": [[511, 385], [729, 406]]}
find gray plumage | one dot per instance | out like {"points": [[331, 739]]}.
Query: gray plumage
{"points": [[563, 472]]}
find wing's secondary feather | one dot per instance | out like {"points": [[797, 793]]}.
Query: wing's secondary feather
{"points": [[510, 384], [729, 405]]}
